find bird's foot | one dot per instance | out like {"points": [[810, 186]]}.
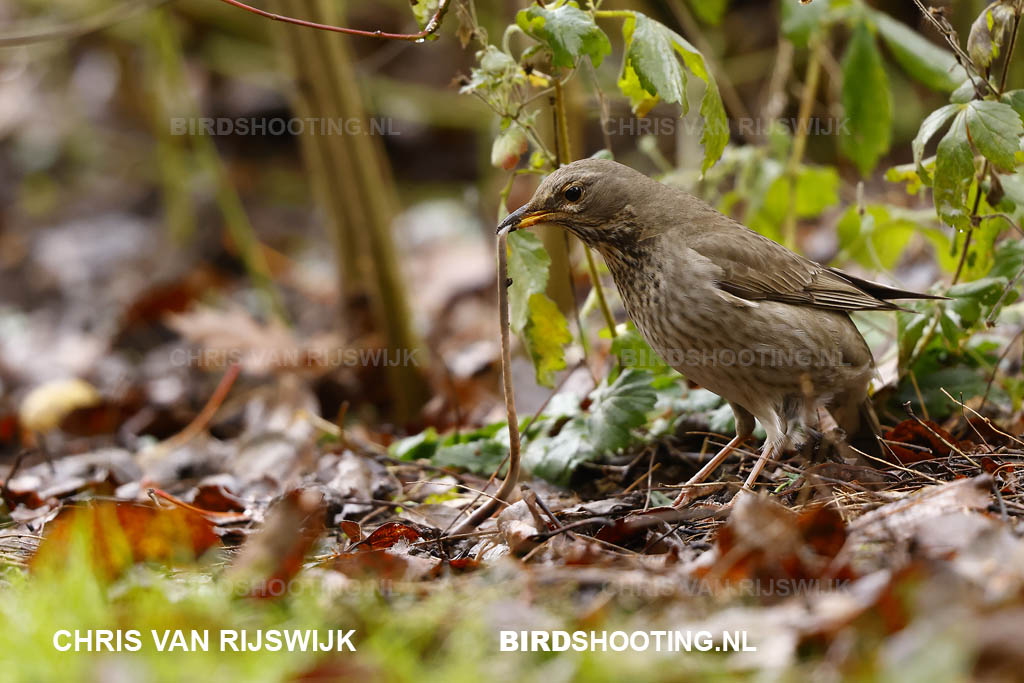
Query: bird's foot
{"points": [[690, 493]]}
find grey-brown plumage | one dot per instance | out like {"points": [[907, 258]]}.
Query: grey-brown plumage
{"points": [[766, 329]]}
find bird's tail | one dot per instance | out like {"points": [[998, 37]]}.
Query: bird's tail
{"points": [[883, 292]]}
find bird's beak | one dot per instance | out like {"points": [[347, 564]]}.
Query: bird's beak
{"points": [[523, 217]]}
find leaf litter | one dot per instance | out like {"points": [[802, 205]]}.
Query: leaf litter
{"points": [[250, 481]]}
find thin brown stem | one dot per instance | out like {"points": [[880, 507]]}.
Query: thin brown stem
{"points": [[970, 231], [512, 478], [432, 25]]}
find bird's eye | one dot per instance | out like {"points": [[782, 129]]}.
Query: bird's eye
{"points": [[573, 193]]}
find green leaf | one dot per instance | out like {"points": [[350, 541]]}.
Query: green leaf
{"points": [[710, 11], [906, 174], [984, 42], [954, 172], [958, 380], [1015, 98], [568, 31], [615, 410], [922, 59], [633, 351], [964, 93], [866, 101], [651, 55], [547, 333], [715, 135], [557, 457], [909, 330], [700, 401], [799, 21], [480, 457], [651, 70], [424, 10], [722, 420], [619, 407], [817, 188], [422, 445], [876, 239], [973, 299], [981, 255], [995, 129], [640, 100], [1008, 260], [931, 125], [528, 264]]}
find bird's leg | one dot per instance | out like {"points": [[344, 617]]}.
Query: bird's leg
{"points": [[767, 453], [686, 494]]}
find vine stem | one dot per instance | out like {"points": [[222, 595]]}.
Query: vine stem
{"points": [[431, 27], [970, 231], [811, 79], [512, 478]]}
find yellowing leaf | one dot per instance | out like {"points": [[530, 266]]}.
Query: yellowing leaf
{"points": [[46, 405], [547, 333]]}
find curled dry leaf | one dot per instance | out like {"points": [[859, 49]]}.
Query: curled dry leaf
{"points": [[767, 542], [900, 520], [216, 497], [270, 560], [517, 528], [352, 530], [393, 564], [385, 555], [926, 434], [387, 535]]}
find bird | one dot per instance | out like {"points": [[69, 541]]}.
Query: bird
{"points": [[733, 311]]}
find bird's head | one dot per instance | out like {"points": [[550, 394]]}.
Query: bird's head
{"points": [[592, 198]]}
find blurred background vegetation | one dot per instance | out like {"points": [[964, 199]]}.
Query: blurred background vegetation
{"points": [[110, 218]]}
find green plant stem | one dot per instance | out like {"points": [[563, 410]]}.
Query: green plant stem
{"points": [[970, 231], [562, 135], [602, 303], [796, 156]]}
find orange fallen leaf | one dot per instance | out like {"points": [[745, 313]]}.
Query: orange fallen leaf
{"points": [[915, 433], [386, 535], [120, 534]]}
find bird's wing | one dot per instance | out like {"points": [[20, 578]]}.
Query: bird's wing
{"points": [[757, 269]]}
